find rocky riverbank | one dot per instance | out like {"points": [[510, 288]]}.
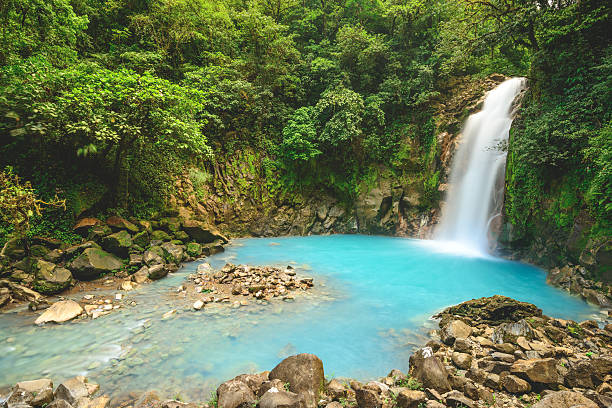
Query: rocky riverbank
{"points": [[488, 352], [117, 252]]}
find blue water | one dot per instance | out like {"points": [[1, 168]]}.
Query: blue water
{"points": [[371, 306]]}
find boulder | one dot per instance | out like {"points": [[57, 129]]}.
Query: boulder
{"points": [[336, 390], [493, 310], [153, 256], [194, 249], [579, 375], [463, 361], [542, 371], [456, 399], [83, 225], [73, 390], [148, 399], [14, 249], [275, 398], [118, 223], [20, 292], [50, 278], [159, 235], [35, 393], [368, 398], [59, 403], [202, 233], [429, 370], [59, 312], [142, 239], [157, 272], [515, 385], [235, 394], [304, 373], [118, 243], [410, 399], [565, 399], [510, 332], [93, 262], [597, 298], [455, 329], [141, 275], [173, 253]]}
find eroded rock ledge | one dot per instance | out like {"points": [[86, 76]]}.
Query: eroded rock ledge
{"points": [[494, 352]]}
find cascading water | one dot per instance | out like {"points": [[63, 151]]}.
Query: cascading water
{"points": [[476, 190]]}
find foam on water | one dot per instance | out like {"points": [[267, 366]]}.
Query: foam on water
{"points": [[373, 310]]}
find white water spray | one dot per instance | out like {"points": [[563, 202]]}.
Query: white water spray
{"points": [[476, 190]]}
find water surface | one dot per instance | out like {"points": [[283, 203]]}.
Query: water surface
{"points": [[371, 307]]}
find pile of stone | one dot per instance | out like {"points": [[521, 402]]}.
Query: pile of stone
{"points": [[117, 246], [578, 280], [258, 282], [76, 392]]}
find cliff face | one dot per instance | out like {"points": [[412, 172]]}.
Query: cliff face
{"points": [[237, 194]]}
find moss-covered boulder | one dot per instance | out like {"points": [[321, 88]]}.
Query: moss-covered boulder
{"points": [[142, 239], [173, 253], [160, 235], [117, 224], [50, 278], [170, 224], [118, 243], [94, 262], [83, 225], [14, 249], [181, 235], [38, 251], [194, 249], [153, 256]]}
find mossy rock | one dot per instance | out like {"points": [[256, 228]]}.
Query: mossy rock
{"points": [[118, 243], [94, 262], [177, 242], [51, 279], [98, 232], [160, 235], [14, 249], [173, 253], [170, 224], [38, 251], [181, 235], [194, 249], [142, 239]]}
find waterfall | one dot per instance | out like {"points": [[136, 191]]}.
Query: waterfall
{"points": [[475, 195]]}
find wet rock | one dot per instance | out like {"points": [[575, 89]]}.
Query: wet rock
{"points": [[454, 330], [157, 272], [99, 402], [73, 390], [50, 278], [153, 256], [304, 373], [565, 399], [173, 253], [410, 399], [202, 233], [275, 398], [93, 262], [538, 370], [59, 312], [235, 394], [141, 275], [149, 399], [198, 304], [429, 370]]}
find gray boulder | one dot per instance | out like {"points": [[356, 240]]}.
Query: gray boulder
{"points": [[157, 272], [60, 312], [50, 278], [455, 329], [118, 243], [173, 253], [429, 370], [304, 373], [92, 263]]}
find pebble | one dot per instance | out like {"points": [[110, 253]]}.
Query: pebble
{"points": [[198, 305]]}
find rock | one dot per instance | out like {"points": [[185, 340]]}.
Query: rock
{"points": [[202, 233], [509, 332], [136, 260], [410, 399], [59, 312], [157, 272], [72, 390], [159, 235], [142, 239], [434, 404], [14, 249], [153, 256], [83, 225], [141, 275], [198, 304], [336, 390], [493, 310], [579, 375], [457, 399], [235, 394], [515, 385], [275, 398], [454, 330], [429, 370], [194, 249], [35, 393], [93, 262], [537, 370], [149, 399], [99, 402], [59, 403], [597, 298], [367, 398], [21, 292], [117, 224], [463, 361], [565, 399], [51, 279], [118, 243], [173, 253], [304, 373]]}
